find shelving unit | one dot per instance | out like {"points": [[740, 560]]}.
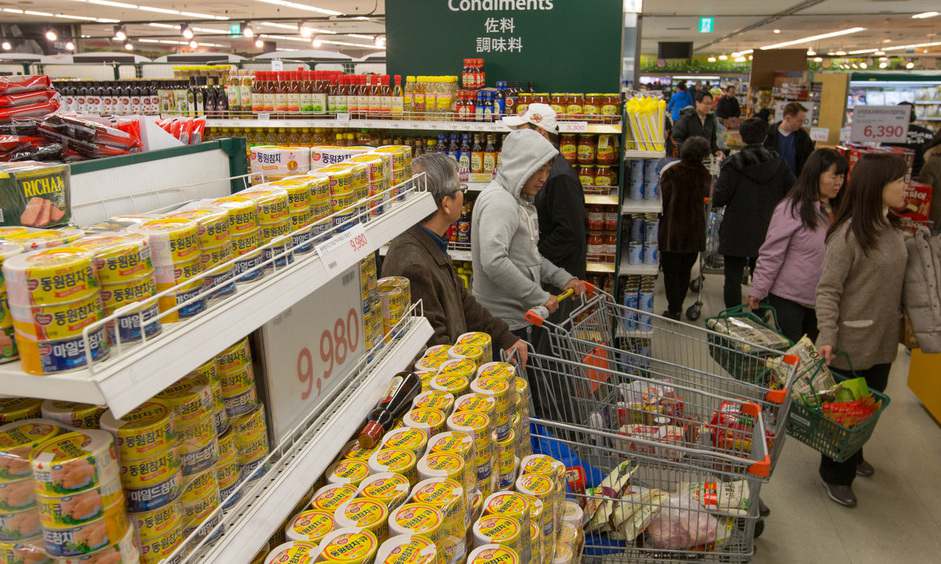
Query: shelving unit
{"points": [[639, 269], [413, 125], [641, 206]]}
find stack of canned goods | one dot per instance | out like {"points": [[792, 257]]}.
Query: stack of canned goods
{"points": [[243, 408], [638, 296], [380, 176], [175, 252], [401, 164], [642, 248], [372, 306], [645, 179], [7, 342], [343, 196], [215, 242], [395, 297], [244, 235], [274, 225], [300, 195]]}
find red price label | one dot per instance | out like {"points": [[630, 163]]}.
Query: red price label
{"points": [[359, 242], [883, 131], [337, 343]]}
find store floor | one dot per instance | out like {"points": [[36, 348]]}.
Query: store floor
{"points": [[899, 511]]}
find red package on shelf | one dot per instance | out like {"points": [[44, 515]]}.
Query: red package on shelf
{"points": [[17, 84], [917, 201], [9, 143], [26, 98], [30, 110]]}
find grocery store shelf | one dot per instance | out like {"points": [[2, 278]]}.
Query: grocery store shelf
{"points": [[476, 186], [602, 199], [925, 102], [600, 267], [629, 154], [139, 372], [414, 125], [305, 453], [641, 269], [455, 254], [641, 206], [933, 118]]}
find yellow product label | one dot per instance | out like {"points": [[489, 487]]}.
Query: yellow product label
{"points": [[71, 510], [538, 485], [172, 240], [143, 432], [319, 188], [457, 442], [251, 448], [246, 242], [115, 296], [435, 399], [212, 224], [454, 384], [511, 504], [356, 452], [463, 367], [118, 257], [227, 445], [243, 213], [50, 276], [159, 522], [250, 424], [58, 321], [35, 239], [408, 549], [375, 166], [186, 397], [214, 256], [73, 414], [469, 352], [227, 472], [449, 462], [298, 189], [503, 370], [348, 472], [478, 402], [387, 487], [444, 494], [363, 512], [542, 464], [197, 486], [522, 388], [494, 554], [271, 231], [169, 276], [14, 409], [401, 154], [309, 526], [359, 173], [406, 438], [349, 546], [331, 496], [301, 219], [236, 356], [141, 474], [7, 231], [498, 529], [418, 519], [422, 418], [478, 423], [74, 462], [394, 460], [158, 548], [194, 432], [341, 180]]}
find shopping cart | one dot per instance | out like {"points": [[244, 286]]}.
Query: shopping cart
{"points": [[650, 505], [603, 339]]}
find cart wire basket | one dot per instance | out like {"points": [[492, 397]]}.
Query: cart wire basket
{"points": [[648, 505], [807, 423], [734, 355], [602, 338]]}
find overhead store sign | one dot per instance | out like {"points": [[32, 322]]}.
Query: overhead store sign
{"points": [[707, 24], [880, 124], [557, 45]]}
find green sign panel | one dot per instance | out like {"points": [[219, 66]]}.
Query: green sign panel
{"points": [[235, 29], [707, 24], [557, 45]]}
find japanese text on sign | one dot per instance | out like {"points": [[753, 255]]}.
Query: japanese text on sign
{"points": [[501, 43], [880, 124]]}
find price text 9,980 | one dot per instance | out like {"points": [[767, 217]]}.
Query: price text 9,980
{"points": [[336, 344]]}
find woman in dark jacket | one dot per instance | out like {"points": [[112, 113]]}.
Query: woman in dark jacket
{"points": [[682, 236], [750, 185], [698, 123]]}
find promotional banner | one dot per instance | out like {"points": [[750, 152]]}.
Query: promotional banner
{"points": [[555, 45]]}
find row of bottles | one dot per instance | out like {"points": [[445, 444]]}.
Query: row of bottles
{"points": [[310, 93], [109, 98]]}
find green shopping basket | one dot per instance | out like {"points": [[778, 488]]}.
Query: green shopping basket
{"points": [[740, 360], [807, 423]]}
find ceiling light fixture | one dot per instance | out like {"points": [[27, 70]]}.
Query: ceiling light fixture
{"points": [[361, 36], [380, 42], [812, 38], [153, 9], [887, 41], [128, 46], [879, 53], [193, 44], [51, 35], [293, 27], [304, 7], [723, 57], [119, 33], [306, 32], [818, 59], [841, 53], [163, 25], [909, 65], [883, 58], [883, 65], [186, 31], [6, 46], [259, 43], [863, 65], [248, 31], [711, 59], [862, 51], [739, 59], [913, 46], [775, 31], [317, 43], [925, 15], [69, 46], [811, 52]]}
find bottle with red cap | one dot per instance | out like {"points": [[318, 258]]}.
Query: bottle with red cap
{"points": [[397, 400]]}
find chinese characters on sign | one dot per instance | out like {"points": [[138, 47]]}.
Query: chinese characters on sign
{"points": [[502, 43]]}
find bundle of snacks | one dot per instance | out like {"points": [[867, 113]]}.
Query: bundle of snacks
{"points": [[91, 139], [749, 330], [26, 96]]}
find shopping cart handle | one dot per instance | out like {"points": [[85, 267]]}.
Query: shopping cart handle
{"points": [[537, 315]]}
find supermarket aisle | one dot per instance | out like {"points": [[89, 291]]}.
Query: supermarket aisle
{"points": [[899, 510]]}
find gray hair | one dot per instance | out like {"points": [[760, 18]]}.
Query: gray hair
{"points": [[441, 171]]}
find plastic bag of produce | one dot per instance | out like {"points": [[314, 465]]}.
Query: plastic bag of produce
{"points": [[682, 523]]}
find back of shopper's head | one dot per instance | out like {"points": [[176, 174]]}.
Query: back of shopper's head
{"points": [[753, 131], [876, 183], [444, 184], [524, 161], [821, 179], [681, 86], [694, 150]]}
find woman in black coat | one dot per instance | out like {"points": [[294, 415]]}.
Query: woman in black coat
{"points": [[682, 232]]}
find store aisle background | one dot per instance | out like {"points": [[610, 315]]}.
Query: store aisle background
{"points": [[899, 511]]}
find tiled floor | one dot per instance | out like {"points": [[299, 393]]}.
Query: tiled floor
{"points": [[898, 519]]}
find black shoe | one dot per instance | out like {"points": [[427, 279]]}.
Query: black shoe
{"points": [[864, 469], [763, 509], [840, 494], [670, 315]]}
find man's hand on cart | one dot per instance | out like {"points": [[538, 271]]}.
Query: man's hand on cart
{"points": [[826, 351], [580, 287], [520, 351]]}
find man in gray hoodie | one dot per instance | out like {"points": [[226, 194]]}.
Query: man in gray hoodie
{"points": [[509, 271]]}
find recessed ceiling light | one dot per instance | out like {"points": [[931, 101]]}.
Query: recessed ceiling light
{"points": [[51, 35], [186, 31], [259, 43], [883, 65], [818, 59], [381, 42], [775, 31], [193, 44], [811, 52], [69, 46], [863, 65], [6, 46], [723, 57], [248, 31], [909, 65], [299, 6], [317, 43], [711, 59], [119, 33], [925, 15], [812, 38], [128, 45], [887, 41]]}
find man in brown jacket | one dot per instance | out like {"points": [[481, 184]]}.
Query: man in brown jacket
{"points": [[421, 255]]}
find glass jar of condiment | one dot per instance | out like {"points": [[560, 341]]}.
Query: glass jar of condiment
{"points": [[611, 218], [568, 146], [595, 248], [606, 153], [523, 101], [586, 175], [611, 108], [609, 246], [575, 108], [605, 176], [592, 106], [541, 98], [587, 149], [557, 102]]}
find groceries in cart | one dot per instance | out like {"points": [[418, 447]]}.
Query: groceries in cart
{"points": [[750, 330]]}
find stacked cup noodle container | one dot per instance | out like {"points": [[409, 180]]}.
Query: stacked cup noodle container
{"points": [[244, 235], [246, 415], [215, 242], [150, 473], [80, 500], [449, 498], [518, 404], [126, 272], [7, 343], [431, 360], [543, 478], [274, 224], [299, 192], [175, 252], [53, 295]]}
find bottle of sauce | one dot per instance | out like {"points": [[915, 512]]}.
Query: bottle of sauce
{"points": [[418, 98], [464, 161], [606, 153], [374, 103], [568, 146], [397, 107], [336, 97], [232, 92], [387, 98], [295, 85], [258, 94], [477, 157], [397, 400], [490, 156], [270, 88]]}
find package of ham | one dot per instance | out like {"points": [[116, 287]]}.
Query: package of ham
{"points": [[18, 84], [34, 194]]}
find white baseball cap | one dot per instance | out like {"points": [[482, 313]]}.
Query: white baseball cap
{"points": [[540, 115]]}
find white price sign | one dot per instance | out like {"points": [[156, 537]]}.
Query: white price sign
{"points": [[343, 116], [880, 124], [310, 348], [820, 134], [573, 126], [344, 249], [277, 65]]}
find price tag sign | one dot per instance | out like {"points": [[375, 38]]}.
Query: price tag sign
{"points": [[820, 134], [880, 124], [573, 126], [344, 249], [310, 348], [277, 65], [343, 116], [264, 116]]}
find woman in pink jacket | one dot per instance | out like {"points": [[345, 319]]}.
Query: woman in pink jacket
{"points": [[791, 259]]}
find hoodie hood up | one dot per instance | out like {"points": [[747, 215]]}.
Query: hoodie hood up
{"points": [[524, 152], [757, 163]]}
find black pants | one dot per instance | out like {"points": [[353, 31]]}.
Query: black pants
{"points": [[794, 319], [676, 272], [843, 473], [734, 273]]}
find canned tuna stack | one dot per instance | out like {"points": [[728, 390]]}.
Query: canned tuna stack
{"points": [[245, 412], [298, 189], [71, 414], [343, 197], [372, 307], [175, 252], [53, 294], [15, 409], [243, 232], [274, 225], [321, 206], [395, 295], [150, 473], [8, 351], [401, 165], [215, 242], [380, 177]]}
